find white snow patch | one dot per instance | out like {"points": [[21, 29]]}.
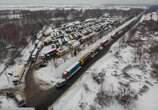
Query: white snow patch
{"points": [[5, 82], [148, 101], [7, 102]]}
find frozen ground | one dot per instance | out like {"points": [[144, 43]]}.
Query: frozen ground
{"points": [[122, 79]]}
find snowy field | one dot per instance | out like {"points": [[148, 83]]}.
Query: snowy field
{"points": [[84, 93], [119, 80], [6, 103]]}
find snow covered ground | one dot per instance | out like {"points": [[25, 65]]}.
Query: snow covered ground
{"points": [[6, 103], [7, 79], [8, 75], [5, 82], [85, 90], [148, 101], [118, 80]]}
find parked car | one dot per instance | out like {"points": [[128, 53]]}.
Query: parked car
{"points": [[60, 83]]}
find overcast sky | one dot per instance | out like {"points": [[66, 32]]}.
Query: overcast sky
{"points": [[49, 2]]}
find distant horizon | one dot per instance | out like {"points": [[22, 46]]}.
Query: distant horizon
{"points": [[68, 6], [75, 2]]}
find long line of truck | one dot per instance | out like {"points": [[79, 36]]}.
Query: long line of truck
{"points": [[90, 55]]}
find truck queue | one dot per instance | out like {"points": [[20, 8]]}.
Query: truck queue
{"points": [[90, 55]]}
